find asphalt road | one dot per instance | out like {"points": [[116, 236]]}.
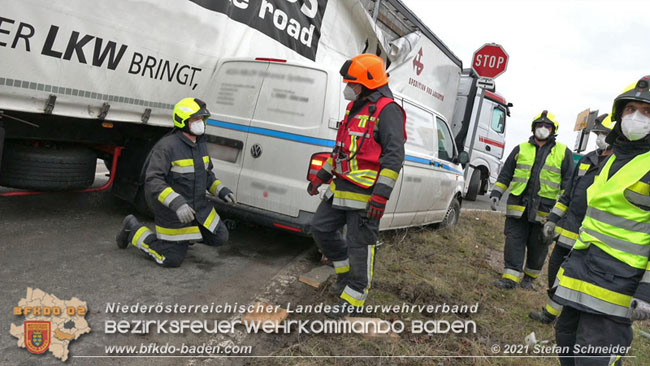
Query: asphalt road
{"points": [[483, 203], [64, 244]]}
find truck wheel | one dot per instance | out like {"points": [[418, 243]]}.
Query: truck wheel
{"points": [[474, 185], [453, 213], [57, 168]]}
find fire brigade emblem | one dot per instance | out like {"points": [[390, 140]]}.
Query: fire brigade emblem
{"points": [[37, 336]]}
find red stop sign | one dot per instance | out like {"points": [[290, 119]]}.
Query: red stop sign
{"points": [[490, 61]]}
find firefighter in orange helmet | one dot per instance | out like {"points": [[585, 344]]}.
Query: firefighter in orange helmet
{"points": [[364, 165]]}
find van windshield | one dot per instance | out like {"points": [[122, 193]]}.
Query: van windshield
{"points": [[292, 95]]}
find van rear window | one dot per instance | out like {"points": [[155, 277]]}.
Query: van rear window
{"points": [[238, 84], [292, 95]]}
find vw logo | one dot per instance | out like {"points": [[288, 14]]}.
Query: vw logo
{"points": [[256, 150]]}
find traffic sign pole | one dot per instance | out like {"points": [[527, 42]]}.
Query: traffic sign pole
{"points": [[471, 144]]}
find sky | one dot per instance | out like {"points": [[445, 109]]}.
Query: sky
{"points": [[564, 56]]}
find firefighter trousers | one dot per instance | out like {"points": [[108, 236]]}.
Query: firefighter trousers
{"points": [[524, 243], [579, 333], [558, 256], [172, 253], [354, 254]]}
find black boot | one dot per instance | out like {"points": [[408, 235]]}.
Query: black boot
{"points": [[542, 316], [129, 224], [528, 283], [337, 287], [505, 284]]}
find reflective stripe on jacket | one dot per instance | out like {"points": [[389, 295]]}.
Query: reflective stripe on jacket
{"points": [[351, 191], [357, 155], [570, 209], [550, 177], [525, 196], [609, 262], [179, 172]]}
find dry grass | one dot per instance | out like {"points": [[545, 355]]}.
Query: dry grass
{"points": [[427, 266]]}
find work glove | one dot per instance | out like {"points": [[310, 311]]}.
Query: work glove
{"points": [[640, 309], [312, 188], [227, 196], [185, 213], [376, 207], [548, 231], [495, 202]]}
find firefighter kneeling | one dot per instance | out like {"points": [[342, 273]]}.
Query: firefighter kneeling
{"points": [[178, 176], [365, 164]]}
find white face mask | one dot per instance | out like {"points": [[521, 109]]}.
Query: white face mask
{"points": [[542, 133], [600, 141], [635, 126], [197, 128], [349, 93]]}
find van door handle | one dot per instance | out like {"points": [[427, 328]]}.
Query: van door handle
{"points": [[488, 148]]}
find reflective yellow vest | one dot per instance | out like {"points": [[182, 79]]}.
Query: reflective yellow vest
{"points": [[620, 229], [550, 177]]}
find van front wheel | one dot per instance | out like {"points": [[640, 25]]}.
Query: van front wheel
{"points": [[453, 213]]}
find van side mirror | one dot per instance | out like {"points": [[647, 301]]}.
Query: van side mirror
{"points": [[463, 157]]}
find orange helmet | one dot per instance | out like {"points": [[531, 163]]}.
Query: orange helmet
{"points": [[365, 69]]}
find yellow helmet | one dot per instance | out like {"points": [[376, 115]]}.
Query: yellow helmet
{"points": [[189, 108], [604, 123], [545, 117], [638, 91]]}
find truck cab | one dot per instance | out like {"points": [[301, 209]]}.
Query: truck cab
{"points": [[489, 143]]}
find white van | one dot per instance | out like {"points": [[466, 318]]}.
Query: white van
{"points": [[274, 122]]}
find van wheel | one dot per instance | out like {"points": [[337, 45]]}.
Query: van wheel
{"points": [[453, 213], [47, 168], [474, 185]]}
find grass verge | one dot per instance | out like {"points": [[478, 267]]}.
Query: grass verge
{"points": [[423, 266]]}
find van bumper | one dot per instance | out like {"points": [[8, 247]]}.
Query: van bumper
{"points": [[300, 225]]}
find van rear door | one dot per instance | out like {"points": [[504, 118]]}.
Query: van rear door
{"points": [[284, 133], [232, 104]]}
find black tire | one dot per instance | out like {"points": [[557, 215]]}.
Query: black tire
{"points": [[59, 168], [474, 185], [453, 213]]}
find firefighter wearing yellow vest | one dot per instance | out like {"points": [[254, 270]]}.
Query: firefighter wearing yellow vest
{"points": [[178, 176], [365, 166], [604, 284], [538, 172], [569, 211]]}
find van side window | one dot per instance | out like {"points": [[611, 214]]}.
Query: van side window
{"points": [[498, 120], [445, 141]]}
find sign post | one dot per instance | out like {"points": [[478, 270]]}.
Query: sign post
{"points": [[488, 62]]}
